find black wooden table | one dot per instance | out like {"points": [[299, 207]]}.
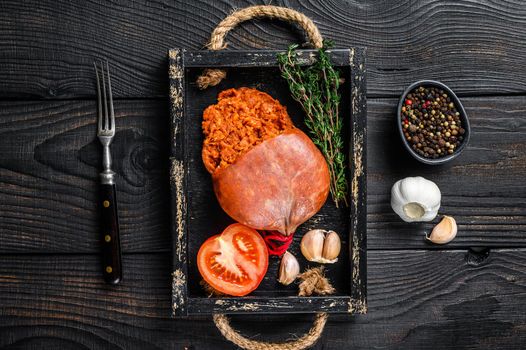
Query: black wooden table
{"points": [[470, 294]]}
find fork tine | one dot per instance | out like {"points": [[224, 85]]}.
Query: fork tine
{"points": [[99, 111], [106, 122], [112, 114]]}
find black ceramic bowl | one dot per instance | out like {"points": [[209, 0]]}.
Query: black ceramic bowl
{"points": [[463, 118]]}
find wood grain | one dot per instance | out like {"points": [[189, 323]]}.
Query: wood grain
{"points": [[474, 46], [49, 164], [483, 188], [418, 299], [49, 161], [423, 299]]}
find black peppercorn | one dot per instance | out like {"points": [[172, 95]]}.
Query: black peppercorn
{"points": [[431, 122]]}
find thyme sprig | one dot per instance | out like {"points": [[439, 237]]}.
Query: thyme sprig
{"points": [[315, 87]]}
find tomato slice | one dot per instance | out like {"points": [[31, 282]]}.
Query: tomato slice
{"points": [[235, 261]]}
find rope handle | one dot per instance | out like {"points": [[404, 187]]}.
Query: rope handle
{"points": [[313, 281], [212, 77], [304, 342]]}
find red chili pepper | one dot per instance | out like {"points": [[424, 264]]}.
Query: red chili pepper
{"points": [[408, 102], [277, 243]]}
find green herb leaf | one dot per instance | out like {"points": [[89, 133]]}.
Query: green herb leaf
{"points": [[315, 87]]}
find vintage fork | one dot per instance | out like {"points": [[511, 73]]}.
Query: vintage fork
{"points": [[111, 250]]}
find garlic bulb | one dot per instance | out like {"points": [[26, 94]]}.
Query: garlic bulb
{"points": [[321, 246], [289, 269], [415, 199], [444, 231]]}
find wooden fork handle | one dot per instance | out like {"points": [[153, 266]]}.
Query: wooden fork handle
{"points": [[111, 245]]}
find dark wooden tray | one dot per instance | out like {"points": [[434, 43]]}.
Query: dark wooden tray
{"points": [[197, 215]]}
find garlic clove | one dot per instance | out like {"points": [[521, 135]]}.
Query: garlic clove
{"points": [[289, 269], [331, 246], [312, 244], [321, 246], [444, 232]]}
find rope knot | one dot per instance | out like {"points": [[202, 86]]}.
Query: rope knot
{"points": [[210, 77]]}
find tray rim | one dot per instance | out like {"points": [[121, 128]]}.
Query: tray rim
{"points": [[182, 304]]}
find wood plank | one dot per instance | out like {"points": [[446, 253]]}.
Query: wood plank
{"points": [[483, 188], [274, 303], [258, 58], [49, 162], [357, 164], [49, 46], [178, 183], [424, 300]]}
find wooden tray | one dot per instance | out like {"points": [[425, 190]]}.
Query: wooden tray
{"points": [[197, 215]]}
